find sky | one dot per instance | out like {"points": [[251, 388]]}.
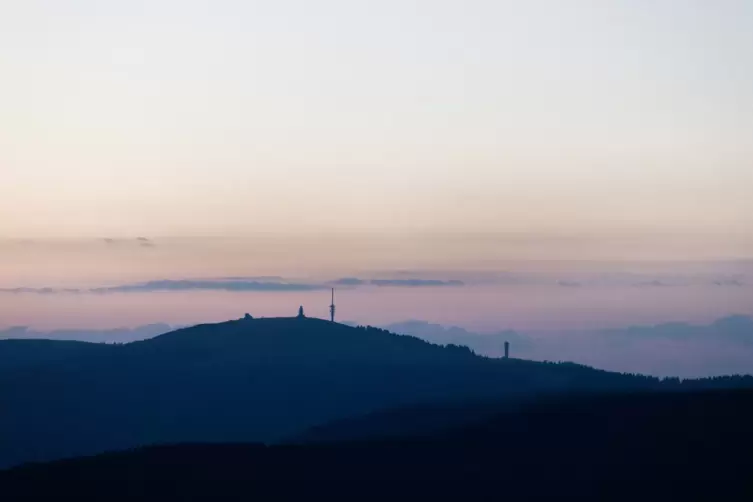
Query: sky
{"points": [[317, 140], [169, 117]]}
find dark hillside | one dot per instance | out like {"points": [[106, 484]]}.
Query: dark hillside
{"points": [[15, 354], [672, 446], [258, 380]]}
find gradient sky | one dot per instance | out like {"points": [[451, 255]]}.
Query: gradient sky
{"points": [[318, 140], [229, 117]]}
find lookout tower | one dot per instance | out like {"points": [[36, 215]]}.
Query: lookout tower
{"points": [[301, 315], [507, 350]]}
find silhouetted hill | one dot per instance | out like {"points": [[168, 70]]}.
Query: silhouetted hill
{"points": [[410, 422], [668, 446], [255, 380], [15, 354], [430, 419], [117, 335]]}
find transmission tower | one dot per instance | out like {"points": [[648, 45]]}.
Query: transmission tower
{"points": [[332, 307]]}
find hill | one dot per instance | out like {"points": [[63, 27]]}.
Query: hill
{"points": [[118, 335], [258, 380], [16, 354], [670, 446]]}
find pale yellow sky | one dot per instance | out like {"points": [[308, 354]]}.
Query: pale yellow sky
{"points": [[185, 118], [574, 164]]}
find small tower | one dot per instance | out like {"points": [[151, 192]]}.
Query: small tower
{"points": [[332, 307], [301, 315], [507, 350]]}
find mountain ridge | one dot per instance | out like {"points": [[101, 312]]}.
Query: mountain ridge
{"points": [[259, 380]]}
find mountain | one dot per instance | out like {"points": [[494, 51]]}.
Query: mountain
{"points": [[670, 349], [254, 380], [645, 446], [731, 329], [17, 354], [118, 335], [491, 344]]}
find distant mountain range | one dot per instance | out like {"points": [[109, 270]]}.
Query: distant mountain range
{"points": [[489, 344], [733, 328], [255, 380], [736, 329], [117, 335], [670, 349]]}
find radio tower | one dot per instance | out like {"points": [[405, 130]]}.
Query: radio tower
{"points": [[332, 307]]}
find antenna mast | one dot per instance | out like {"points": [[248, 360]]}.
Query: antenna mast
{"points": [[332, 307]]}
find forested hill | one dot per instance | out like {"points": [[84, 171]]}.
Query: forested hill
{"points": [[640, 446], [253, 380]]}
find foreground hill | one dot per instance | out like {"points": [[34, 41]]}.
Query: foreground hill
{"points": [[670, 446], [254, 380]]}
